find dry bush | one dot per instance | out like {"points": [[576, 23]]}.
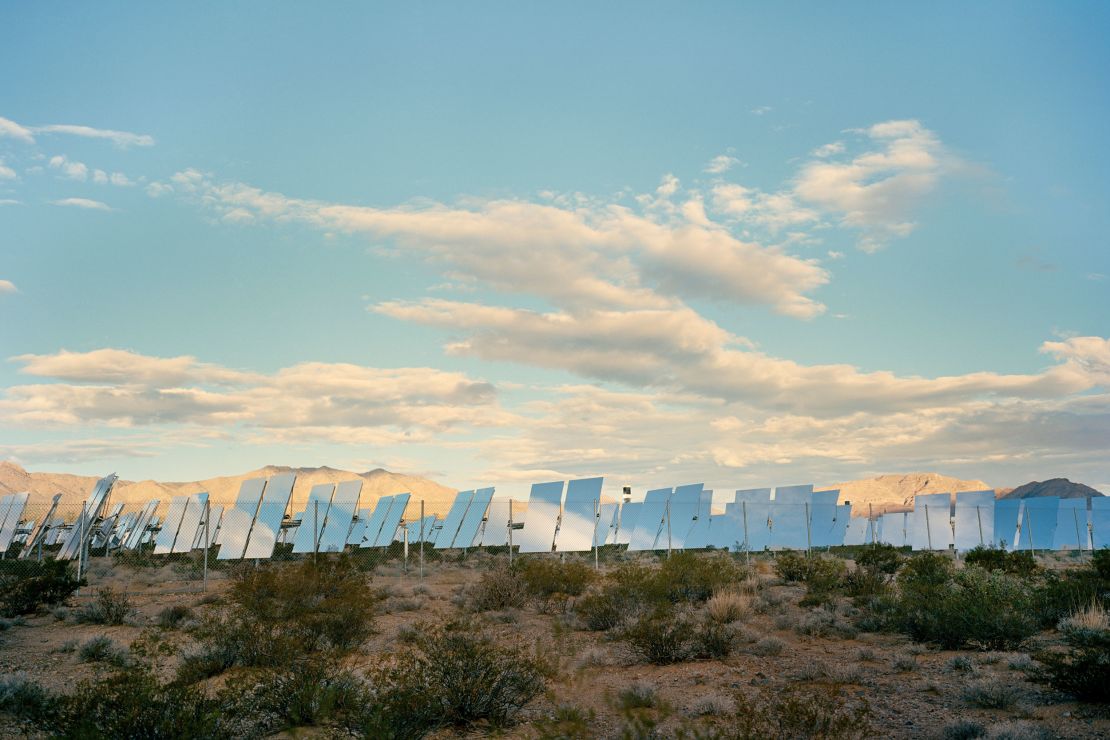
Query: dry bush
{"points": [[768, 646], [498, 589], [172, 616], [728, 606], [990, 694], [109, 607], [797, 712], [1092, 617]]}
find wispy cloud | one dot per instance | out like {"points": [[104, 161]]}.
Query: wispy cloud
{"points": [[6, 173], [69, 168], [122, 139], [13, 130], [761, 110], [7, 286], [86, 203], [721, 163]]}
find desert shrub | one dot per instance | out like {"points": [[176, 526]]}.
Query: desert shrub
{"points": [[862, 583], [1060, 594], [109, 607], [971, 608], [23, 698], [133, 703], [1082, 669], [991, 695], [567, 722], [905, 663], [880, 557], [660, 637], [1019, 563], [280, 614], [547, 577], [687, 576], [792, 567], [455, 677], [963, 729], [823, 580], [314, 692], [824, 623], [728, 606], [768, 646], [798, 711], [172, 616], [637, 696], [712, 640], [497, 589], [34, 585], [602, 610], [102, 650], [961, 664]]}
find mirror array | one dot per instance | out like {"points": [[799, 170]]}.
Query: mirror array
{"points": [[559, 516]]}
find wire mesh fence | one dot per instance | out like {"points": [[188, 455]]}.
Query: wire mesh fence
{"points": [[184, 543]]}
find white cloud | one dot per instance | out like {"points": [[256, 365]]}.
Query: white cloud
{"points": [[877, 191], [772, 211], [827, 150], [577, 256], [761, 110], [100, 177], [120, 180], [13, 130], [158, 189], [6, 173], [7, 286], [69, 168], [122, 139], [721, 163], [86, 203]]}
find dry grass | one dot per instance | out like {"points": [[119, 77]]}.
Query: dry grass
{"points": [[728, 606], [1094, 617]]}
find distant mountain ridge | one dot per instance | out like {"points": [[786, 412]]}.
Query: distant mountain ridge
{"points": [[895, 492], [223, 489], [1059, 487]]}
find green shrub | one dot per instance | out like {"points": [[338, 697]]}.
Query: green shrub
{"points": [[455, 677], [34, 585], [313, 693], [798, 711], [792, 567], [102, 650], [23, 698], [992, 695], [661, 637], [282, 613], [713, 640], [963, 729], [546, 577], [567, 722], [497, 589], [637, 696], [690, 577], [866, 582], [823, 580], [172, 616], [602, 610], [110, 607], [972, 608], [1082, 669], [1020, 562], [881, 557], [1062, 593]]}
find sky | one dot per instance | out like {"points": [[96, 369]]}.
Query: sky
{"points": [[499, 243]]}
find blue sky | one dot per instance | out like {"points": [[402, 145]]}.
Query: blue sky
{"points": [[497, 243]]}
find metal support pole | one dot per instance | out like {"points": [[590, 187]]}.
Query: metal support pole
{"points": [[510, 533], [207, 519], [747, 543], [315, 529], [1078, 541], [405, 527], [667, 514], [928, 529], [1031, 547], [421, 539], [809, 537], [979, 516], [871, 523], [80, 542], [597, 523]]}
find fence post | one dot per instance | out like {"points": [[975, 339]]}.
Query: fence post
{"points": [[809, 537], [1078, 541], [421, 539], [405, 527], [979, 516], [597, 523], [80, 542], [315, 530], [871, 523], [510, 533], [928, 529], [667, 514], [207, 519]]}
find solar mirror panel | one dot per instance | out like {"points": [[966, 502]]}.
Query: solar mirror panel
{"points": [[788, 518], [627, 517], [680, 515], [541, 518], [11, 520], [392, 522], [373, 525], [576, 529], [495, 533], [271, 513], [697, 538], [1038, 523], [236, 525], [357, 532], [142, 521], [606, 524], [974, 519], [1005, 522], [857, 531], [928, 526], [5, 506], [40, 531], [82, 528], [894, 528], [341, 514], [651, 519], [825, 523], [1071, 525], [163, 541], [451, 523], [472, 519], [312, 521], [190, 522], [1100, 522]]}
